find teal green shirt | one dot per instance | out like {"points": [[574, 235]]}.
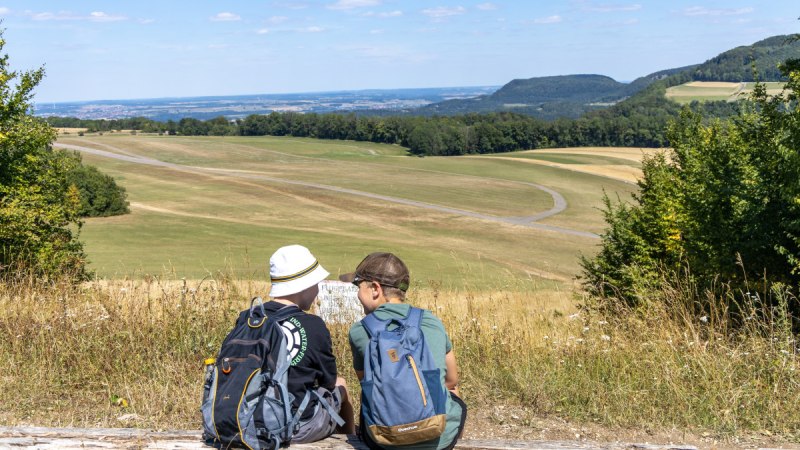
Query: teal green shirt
{"points": [[439, 344]]}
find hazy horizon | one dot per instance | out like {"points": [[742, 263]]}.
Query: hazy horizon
{"points": [[93, 50]]}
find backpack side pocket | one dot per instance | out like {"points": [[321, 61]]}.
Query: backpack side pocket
{"points": [[246, 411], [207, 407], [436, 390]]}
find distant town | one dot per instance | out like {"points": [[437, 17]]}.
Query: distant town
{"points": [[235, 107]]}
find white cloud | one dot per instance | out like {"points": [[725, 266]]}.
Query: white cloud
{"points": [[376, 31], [549, 19], [95, 16], [443, 11], [613, 8], [703, 11], [147, 21], [352, 4], [383, 15], [4, 11], [486, 6], [262, 31], [225, 17], [311, 30], [99, 16]]}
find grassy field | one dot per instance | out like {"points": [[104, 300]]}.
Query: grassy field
{"points": [[230, 205], [536, 361], [532, 366], [716, 91]]}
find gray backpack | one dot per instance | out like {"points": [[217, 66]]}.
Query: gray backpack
{"points": [[245, 397]]}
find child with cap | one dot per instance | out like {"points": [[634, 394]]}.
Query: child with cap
{"points": [[382, 280], [295, 274]]}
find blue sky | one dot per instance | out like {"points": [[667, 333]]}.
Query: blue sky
{"points": [[104, 49]]}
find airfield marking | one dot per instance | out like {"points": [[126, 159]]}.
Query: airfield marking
{"points": [[527, 221]]}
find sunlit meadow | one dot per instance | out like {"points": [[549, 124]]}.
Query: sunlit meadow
{"points": [[130, 352]]}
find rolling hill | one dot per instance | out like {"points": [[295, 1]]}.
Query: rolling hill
{"points": [[571, 96]]}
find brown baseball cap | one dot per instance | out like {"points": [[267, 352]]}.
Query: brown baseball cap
{"points": [[383, 267]]}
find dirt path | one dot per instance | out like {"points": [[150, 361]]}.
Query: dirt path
{"points": [[559, 202]]}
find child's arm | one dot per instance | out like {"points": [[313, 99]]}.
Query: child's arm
{"points": [[360, 374], [451, 376]]}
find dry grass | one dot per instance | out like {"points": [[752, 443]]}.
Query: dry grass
{"points": [[71, 352], [615, 172], [628, 153], [68, 131]]}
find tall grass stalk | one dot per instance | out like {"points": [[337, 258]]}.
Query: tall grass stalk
{"points": [[70, 354]]}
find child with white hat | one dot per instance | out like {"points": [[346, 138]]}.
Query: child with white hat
{"points": [[295, 274]]}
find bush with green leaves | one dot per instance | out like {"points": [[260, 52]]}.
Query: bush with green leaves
{"points": [[100, 195], [722, 206], [38, 206]]}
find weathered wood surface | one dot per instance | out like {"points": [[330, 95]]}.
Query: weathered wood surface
{"points": [[133, 438]]}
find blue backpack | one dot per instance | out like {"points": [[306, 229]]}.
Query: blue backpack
{"points": [[245, 397], [402, 395]]}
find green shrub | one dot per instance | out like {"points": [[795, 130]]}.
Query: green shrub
{"points": [[724, 202], [100, 195]]}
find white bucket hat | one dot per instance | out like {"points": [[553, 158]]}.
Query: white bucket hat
{"points": [[293, 269]]}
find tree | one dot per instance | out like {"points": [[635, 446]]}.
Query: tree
{"points": [[38, 207], [725, 203]]}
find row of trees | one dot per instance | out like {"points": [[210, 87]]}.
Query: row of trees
{"points": [[639, 122]]}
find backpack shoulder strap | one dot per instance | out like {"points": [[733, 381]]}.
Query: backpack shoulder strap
{"points": [[285, 313], [414, 317], [373, 325]]}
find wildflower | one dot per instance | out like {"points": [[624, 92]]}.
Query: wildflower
{"points": [[605, 337], [546, 337], [579, 340], [602, 322], [573, 316], [704, 319], [585, 329]]}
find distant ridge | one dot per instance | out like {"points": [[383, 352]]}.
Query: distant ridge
{"points": [[551, 97], [571, 96]]}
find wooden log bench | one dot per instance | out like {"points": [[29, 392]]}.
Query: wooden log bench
{"points": [[135, 438]]}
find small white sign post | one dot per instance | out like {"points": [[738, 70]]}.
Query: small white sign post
{"points": [[338, 302]]}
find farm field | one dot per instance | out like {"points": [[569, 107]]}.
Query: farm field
{"points": [[716, 91], [201, 206]]}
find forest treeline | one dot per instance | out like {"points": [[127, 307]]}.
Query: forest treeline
{"points": [[638, 122]]}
